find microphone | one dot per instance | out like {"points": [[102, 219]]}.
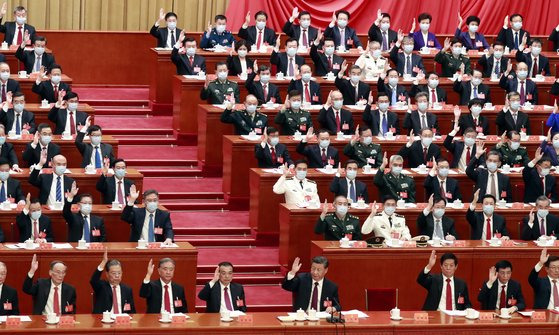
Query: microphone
{"points": [[332, 318]]}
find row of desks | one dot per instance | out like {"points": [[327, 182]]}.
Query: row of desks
{"points": [[41, 114], [26, 85], [82, 263], [376, 323]]}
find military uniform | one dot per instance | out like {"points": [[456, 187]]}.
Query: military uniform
{"points": [[244, 123], [451, 64], [225, 39], [292, 121], [364, 154], [514, 158], [334, 228], [217, 91], [385, 226], [401, 187], [295, 191]]}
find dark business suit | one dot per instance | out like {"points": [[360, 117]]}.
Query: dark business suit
{"points": [[435, 284], [481, 178], [505, 122], [375, 34], [338, 186], [426, 225], [399, 58], [40, 292], [27, 120], [24, 223], [488, 297], [506, 36], [12, 85], [467, 121], [414, 154], [294, 31], [543, 63], [314, 90], [301, 286], [75, 222], [348, 90], [456, 148], [351, 38], [29, 58], [162, 33], [9, 295], [413, 121], [212, 297], [33, 156], [441, 93], [135, 217], [7, 152], [533, 186], [103, 295], [531, 234], [510, 84], [281, 61], [313, 153], [250, 35], [46, 91], [255, 88], [372, 119], [58, 116], [542, 289], [464, 88], [14, 189], [9, 30], [87, 149], [554, 37], [44, 182], [321, 64], [488, 65], [477, 222], [264, 156], [182, 63], [327, 120], [401, 93], [107, 187], [432, 186], [235, 68], [153, 293]]}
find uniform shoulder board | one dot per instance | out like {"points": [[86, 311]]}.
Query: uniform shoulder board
{"points": [[524, 148], [399, 216], [311, 181], [353, 217], [378, 214], [260, 113], [329, 214]]}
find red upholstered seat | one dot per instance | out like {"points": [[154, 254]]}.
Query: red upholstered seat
{"points": [[380, 299]]}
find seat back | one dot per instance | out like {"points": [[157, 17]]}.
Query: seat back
{"points": [[380, 299]]}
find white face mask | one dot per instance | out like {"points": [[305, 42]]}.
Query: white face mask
{"points": [[536, 51], [355, 79], [544, 171], [338, 104], [422, 106], [476, 81], [393, 81], [426, 141], [329, 51], [383, 106], [376, 53], [556, 144], [396, 170], [190, 52], [424, 26], [492, 166], [306, 77], [291, 52], [522, 74], [514, 145], [473, 28], [389, 210], [172, 25], [324, 143], [408, 48], [251, 109], [456, 51], [384, 26], [469, 141], [55, 79], [351, 174], [433, 83], [515, 105], [4, 75], [438, 212], [40, 50], [476, 110], [488, 209], [341, 209], [222, 75], [296, 105], [443, 172], [342, 23], [305, 23], [220, 28], [261, 25], [265, 78], [517, 25], [242, 53], [498, 54]]}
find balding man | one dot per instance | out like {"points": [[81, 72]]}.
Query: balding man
{"points": [[163, 294], [52, 186], [246, 120], [8, 296], [309, 89], [7, 84], [333, 117], [520, 83], [50, 295]]}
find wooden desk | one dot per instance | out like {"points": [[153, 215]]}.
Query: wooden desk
{"points": [[27, 83], [86, 182], [238, 158], [41, 114], [82, 263], [354, 270]]}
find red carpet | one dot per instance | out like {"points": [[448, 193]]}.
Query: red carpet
{"points": [[111, 93], [161, 153], [238, 256], [196, 185]]}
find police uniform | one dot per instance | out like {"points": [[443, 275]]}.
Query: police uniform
{"points": [[225, 39], [451, 64], [334, 228], [292, 121], [364, 154], [244, 123], [514, 158], [295, 191], [401, 187], [384, 225], [218, 91]]}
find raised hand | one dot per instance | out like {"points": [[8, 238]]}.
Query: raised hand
{"points": [[182, 36], [265, 135], [509, 67], [278, 42], [28, 201], [310, 134], [543, 256], [4, 9], [134, 194], [324, 209], [294, 13], [296, 266], [247, 18], [9, 98], [430, 203], [371, 98], [216, 275], [379, 15], [343, 67], [88, 122], [73, 191], [161, 15], [34, 264], [373, 209], [333, 18], [456, 128], [524, 39], [413, 26], [340, 170], [480, 150], [531, 216], [457, 112], [460, 20], [432, 260], [27, 38], [384, 161], [446, 44], [492, 275], [506, 22], [475, 197], [150, 268], [400, 36], [434, 168], [209, 28], [538, 155], [36, 138], [329, 100], [319, 36], [105, 259], [43, 159], [411, 138]]}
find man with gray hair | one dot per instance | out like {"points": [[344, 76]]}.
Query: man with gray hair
{"points": [[163, 295], [541, 223], [14, 31], [395, 183], [8, 296]]}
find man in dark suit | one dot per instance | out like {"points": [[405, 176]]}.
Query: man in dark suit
{"points": [[259, 34], [486, 224], [334, 117], [321, 154], [512, 37], [444, 290], [6, 83], [270, 153], [163, 295], [521, 83], [166, 37], [306, 286], [511, 117], [65, 114], [434, 92], [545, 288], [51, 185], [326, 60], [16, 118], [111, 294], [247, 120], [95, 152], [380, 31], [262, 89], [344, 185], [462, 150], [494, 63], [303, 32], [472, 89], [49, 89], [339, 31], [34, 59], [543, 224], [407, 63], [486, 179], [83, 225], [14, 30], [10, 188], [32, 224], [432, 222], [50, 295], [114, 187], [421, 151], [421, 119], [381, 120], [474, 119], [309, 89], [353, 89], [538, 180], [221, 293], [537, 63], [41, 144], [287, 62], [439, 184], [150, 223], [185, 58], [500, 291], [396, 93], [8, 298]]}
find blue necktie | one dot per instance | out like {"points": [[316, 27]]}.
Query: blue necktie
{"points": [[475, 92], [97, 158], [352, 191], [59, 189], [151, 235], [384, 124], [2, 193], [86, 234], [394, 100], [18, 125]]}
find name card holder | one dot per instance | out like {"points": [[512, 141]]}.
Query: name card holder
{"points": [[13, 321], [351, 318], [178, 319], [66, 320], [122, 320], [539, 316], [421, 317], [248, 318], [486, 316]]}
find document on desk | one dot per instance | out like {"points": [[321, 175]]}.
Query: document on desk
{"points": [[356, 311], [455, 313], [22, 318]]}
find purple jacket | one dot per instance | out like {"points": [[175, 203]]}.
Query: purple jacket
{"points": [[464, 36], [418, 40]]}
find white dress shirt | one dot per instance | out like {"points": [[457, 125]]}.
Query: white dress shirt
{"points": [[16, 31], [49, 307], [145, 228], [442, 302], [122, 188], [488, 189], [169, 43], [243, 62], [170, 289], [52, 194], [67, 127]]}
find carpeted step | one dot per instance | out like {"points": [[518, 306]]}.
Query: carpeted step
{"points": [[170, 171], [218, 240], [194, 204], [213, 219], [122, 111], [136, 125], [160, 155], [265, 256], [185, 185], [259, 298], [147, 139], [256, 278], [112, 92]]}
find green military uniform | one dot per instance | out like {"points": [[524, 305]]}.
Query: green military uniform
{"points": [[514, 158], [244, 123], [334, 229], [451, 64], [217, 91], [401, 187], [292, 121], [363, 154]]}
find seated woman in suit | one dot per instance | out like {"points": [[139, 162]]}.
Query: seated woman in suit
{"points": [[240, 63]]}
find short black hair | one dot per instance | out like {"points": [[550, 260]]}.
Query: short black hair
{"points": [[515, 15], [263, 67], [70, 95], [35, 201], [218, 64], [363, 129], [342, 12], [320, 260], [171, 14], [294, 93], [301, 161], [387, 197], [475, 101], [350, 161], [271, 130], [469, 130], [392, 70], [323, 130], [535, 40], [441, 159], [473, 18], [188, 39], [118, 160], [510, 133], [225, 264], [304, 12], [424, 16], [385, 15], [503, 264], [382, 94], [490, 196], [42, 126], [260, 12], [40, 38], [455, 40], [220, 17], [449, 255], [18, 94], [496, 43], [421, 94], [85, 195], [93, 128], [240, 43], [550, 259], [291, 39], [437, 199], [54, 66], [149, 192], [496, 153], [545, 159]]}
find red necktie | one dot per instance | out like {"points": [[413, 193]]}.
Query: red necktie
{"points": [[115, 301], [448, 295], [535, 68], [329, 63], [425, 154], [305, 39], [337, 122], [274, 157], [259, 39], [191, 59], [323, 157], [488, 230], [55, 92], [36, 233], [120, 195], [307, 93], [72, 124], [314, 299], [19, 35], [468, 155], [543, 185], [3, 92], [55, 303], [542, 228], [227, 299], [433, 96], [443, 193], [503, 297], [265, 87], [167, 299], [522, 93], [555, 294]]}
